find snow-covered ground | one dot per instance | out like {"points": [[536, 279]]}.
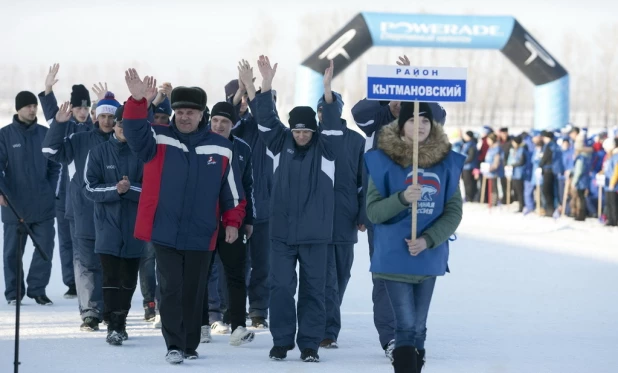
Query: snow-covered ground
{"points": [[525, 295]]}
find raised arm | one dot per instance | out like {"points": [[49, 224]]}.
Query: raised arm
{"points": [[95, 187], [331, 136], [56, 146], [48, 100], [271, 130], [138, 132]]}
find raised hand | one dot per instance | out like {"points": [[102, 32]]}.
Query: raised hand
{"points": [[136, 86], [64, 112], [328, 74], [166, 89], [100, 91], [50, 80], [151, 88], [245, 74], [403, 61], [268, 72]]}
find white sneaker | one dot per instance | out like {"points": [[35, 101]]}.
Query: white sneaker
{"points": [[205, 336], [241, 336], [218, 327], [157, 322]]}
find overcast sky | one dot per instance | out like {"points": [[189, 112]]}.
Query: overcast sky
{"points": [[181, 40]]}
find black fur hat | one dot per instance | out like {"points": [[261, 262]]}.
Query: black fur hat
{"points": [[188, 98]]}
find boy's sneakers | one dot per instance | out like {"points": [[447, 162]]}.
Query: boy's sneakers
{"points": [[71, 293], [218, 327], [241, 336], [205, 334], [309, 355], [280, 352], [259, 323]]}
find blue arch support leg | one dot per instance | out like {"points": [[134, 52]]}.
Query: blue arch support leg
{"points": [[551, 104], [309, 87]]}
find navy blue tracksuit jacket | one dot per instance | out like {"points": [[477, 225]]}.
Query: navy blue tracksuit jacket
{"points": [[74, 150], [28, 179], [262, 162], [115, 214], [67, 171]]}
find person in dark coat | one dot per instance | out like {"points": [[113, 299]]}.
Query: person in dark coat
{"points": [[349, 219], [262, 161], [74, 150], [113, 181], [302, 211], [371, 116], [29, 182], [191, 185], [233, 256], [80, 121]]}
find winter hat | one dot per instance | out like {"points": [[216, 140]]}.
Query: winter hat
{"points": [[303, 118], [547, 134], [25, 98], [108, 105], [80, 96], [164, 107], [439, 114], [188, 98], [407, 112], [224, 109], [230, 90], [470, 134], [118, 114]]}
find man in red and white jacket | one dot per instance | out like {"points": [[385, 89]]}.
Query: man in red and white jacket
{"points": [[190, 178]]}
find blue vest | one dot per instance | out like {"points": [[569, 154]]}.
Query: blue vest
{"points": [[439, 183], [464, 150], [608, 169], [584, 179], [489, 158], [525, 171]]}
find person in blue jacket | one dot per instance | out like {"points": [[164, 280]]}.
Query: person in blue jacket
{"points": [[349, 219], [233, 257], [495, 158], [191, 184], [370, 116], [610, 169], [551, 163], [522, 169], [29, 182], [80, 121], [580, 180], [409, 267], [113, 181], [302, 211], [262, 161], [470, 151], [74, 150]]}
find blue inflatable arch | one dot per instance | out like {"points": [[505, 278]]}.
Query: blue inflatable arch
{"points": [[366, 30]]}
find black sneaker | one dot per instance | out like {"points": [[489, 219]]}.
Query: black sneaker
{"points": [[90, 324], [43, 300], [259, 323], [71, 293], [309, 355], [280, 352], [149, 311], [191, 355]]}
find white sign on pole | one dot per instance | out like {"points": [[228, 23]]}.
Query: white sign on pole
{"points": [[407, 83]]}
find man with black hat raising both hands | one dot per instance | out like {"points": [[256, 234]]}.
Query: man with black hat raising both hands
{"points": [[28, 181], [190, 184], [233, 256], [302, 209]]}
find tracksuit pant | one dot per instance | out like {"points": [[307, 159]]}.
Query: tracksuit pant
{"points": [[65, 248], [40, 270], [258, 289], [119, 283], [88, 279], [311, 279], [183, 277], [338, 273]]}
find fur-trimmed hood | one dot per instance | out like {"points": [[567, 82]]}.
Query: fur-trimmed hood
{"points": [[430, 152]]}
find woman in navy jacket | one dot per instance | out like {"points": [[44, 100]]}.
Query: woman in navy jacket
{"points": [[409, 267], [113, 181]]}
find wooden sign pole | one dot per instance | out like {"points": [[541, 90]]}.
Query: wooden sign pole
{"points": [[414, 205]]}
